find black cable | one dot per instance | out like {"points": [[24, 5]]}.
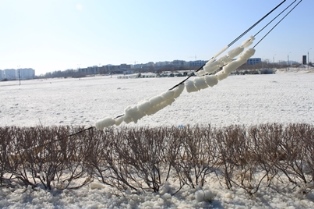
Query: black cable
{"points": [[250, 28], [274, 18], [277, 24], [184, 80], [235, 40], [81, 131]]}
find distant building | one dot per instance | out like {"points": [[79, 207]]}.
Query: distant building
{"points": [[13, 74], [304, 62], [125, 67], [196, 63], [253, 61], [92, 70], [25, 73], [10, 74], [178, 63], [161, 64]]}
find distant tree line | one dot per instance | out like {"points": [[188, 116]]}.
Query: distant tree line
{"points": [[265, 64], [174, 66], [111, 70]]}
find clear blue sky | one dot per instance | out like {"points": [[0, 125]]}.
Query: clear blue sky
{"points": [[50, 35]]}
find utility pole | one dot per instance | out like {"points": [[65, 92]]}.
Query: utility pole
{"points": [[288, 61], [308, 58], [19, 71]]}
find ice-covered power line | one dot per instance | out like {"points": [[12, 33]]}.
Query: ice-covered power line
{"points": [[213, 65], [250, 28], [275, 18], [277, 24], [224, 65], [232, 42], [234, 59]]}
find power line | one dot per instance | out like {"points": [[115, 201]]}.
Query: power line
{"points": [[231, 43], [277, 24], [274, 18], [250, 28]]}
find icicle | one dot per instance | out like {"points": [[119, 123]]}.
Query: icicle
{"points": [[211, 67], [224, 60], [235, 64], [200, 83], [200, 72], [247, 54], [119, 120], [168, 95], [232, 66], [134, 113], [235, 52], [101, 124], [248, 42], [127, 117], [178, 90], [211, 80], [160, 106], [156, 100], [190, 87], [144, 106], [153, 110], [208, 65], [221, 75]]}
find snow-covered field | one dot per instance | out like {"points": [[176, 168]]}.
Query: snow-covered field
{"points": [[249, 99]]}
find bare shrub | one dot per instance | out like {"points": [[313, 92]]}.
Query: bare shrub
{"points": [[232, 151], [240, 159], [47, 157], [306, 133], [132, 158], [266, 148], [295, 163], [5, 149], [17, 157], [144, 155], [197, 156], [144, 159], [103, 162]]}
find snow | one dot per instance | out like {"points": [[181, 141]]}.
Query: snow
{"points": [[248, 42], [235, 52], [246, 99], [200, 83], [211, 80], [190, 87], [213, 65], [105, 123]]}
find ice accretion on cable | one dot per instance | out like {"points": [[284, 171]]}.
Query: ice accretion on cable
{"points": [[221, 67], [213, 65]]}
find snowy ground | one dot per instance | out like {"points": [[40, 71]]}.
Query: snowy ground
{"points": [[249, 99]]}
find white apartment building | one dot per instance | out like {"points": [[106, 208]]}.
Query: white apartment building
{"points": [[25, 73], [9, 74], [13, 74]]}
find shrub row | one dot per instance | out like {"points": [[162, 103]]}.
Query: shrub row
{"points": [[145, 159]]}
